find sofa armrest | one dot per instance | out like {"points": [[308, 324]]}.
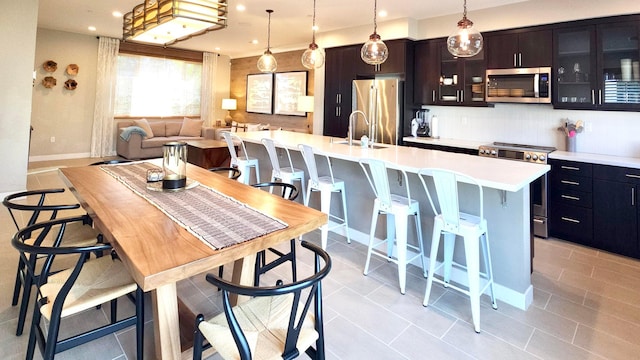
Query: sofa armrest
{"points": [[129, 149]]}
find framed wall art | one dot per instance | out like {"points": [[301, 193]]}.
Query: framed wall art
{"points": [[288, 87], [260, 93]]}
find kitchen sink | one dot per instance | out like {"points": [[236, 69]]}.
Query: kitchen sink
{"points": [[356, 143]]}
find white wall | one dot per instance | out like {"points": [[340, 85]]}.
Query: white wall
{"points": [[66, 115], [18, 27]]}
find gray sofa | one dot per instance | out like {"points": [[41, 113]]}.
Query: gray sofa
{"points": [[165, 130]]}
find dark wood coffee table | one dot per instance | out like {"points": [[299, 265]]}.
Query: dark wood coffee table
{"points": [[208, 153]]}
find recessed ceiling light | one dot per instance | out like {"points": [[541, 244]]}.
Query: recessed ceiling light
{"points": [[216, 49], [382, 13], [315, 28], [254, 41], [92, 28], [116, 14], [240, 7]]}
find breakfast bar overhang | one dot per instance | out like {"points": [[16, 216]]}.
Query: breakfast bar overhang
{"points": [[506, 197]]}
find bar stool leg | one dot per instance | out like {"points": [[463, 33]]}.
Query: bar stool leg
{"points": [[401, 222], [433, 256], [420, 244], [391, 233], [472, 252], [325, 207], [487, 263], [372, 232], [449, 246], [344, 213]]}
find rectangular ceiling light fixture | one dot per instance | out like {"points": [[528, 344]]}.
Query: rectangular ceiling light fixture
{"points": [[165, 22]]}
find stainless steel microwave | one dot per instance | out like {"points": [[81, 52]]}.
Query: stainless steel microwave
{"points": [[519, 85]]}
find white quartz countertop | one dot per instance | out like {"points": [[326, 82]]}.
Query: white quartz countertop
{"points": [[493, 173], [629, 162], [465, 144]]}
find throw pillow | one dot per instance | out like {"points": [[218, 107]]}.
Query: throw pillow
{"points": [[191, 127], [144, 125]]}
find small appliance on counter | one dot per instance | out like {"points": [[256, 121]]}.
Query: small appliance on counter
{"points": [[422, 129]]}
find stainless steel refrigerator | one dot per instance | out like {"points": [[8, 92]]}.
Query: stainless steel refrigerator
{"points": [[380, 100]]}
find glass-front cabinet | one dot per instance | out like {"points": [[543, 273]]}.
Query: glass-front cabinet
{"points": [[596, 67], [461, 79]]}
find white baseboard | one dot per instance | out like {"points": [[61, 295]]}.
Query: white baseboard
{"points": [[58, 157]]}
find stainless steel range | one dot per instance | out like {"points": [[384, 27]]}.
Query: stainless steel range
{"points": [[539, 190]]}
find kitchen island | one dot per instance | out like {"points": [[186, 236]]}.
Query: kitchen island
{"points": [[506, 197]]}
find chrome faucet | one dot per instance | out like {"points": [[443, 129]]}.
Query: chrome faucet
{"points": [[351, 117]]}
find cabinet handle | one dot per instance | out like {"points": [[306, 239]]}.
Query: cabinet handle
{"points": [[570, 168], [433, 95], [520, 59], [337, 108], [515, 64], [633, 196], [570, 197], [567, 182], [599, 97], [632, 176], [593, 97], [570, 220], [538, 221]]}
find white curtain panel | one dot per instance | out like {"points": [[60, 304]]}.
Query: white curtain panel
{"points": [[102, 136], [208, 99]]}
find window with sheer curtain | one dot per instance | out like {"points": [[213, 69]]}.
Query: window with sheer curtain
{"points": [[154, 87]]}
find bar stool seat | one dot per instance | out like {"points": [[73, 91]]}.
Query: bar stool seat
{"points": [[244, 162], [397, 208], [326, 185], [450, 221]]}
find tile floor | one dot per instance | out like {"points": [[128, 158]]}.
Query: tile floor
{"points": [[586, 306]]}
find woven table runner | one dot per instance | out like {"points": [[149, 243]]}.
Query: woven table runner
{"points": [[216, 219]]}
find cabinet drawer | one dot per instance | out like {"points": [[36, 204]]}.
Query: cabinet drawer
{"points": [[573, 168], [572, 198], [571, 223], [563, 181], [616, 173]]}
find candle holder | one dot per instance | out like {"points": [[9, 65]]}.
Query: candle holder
{"points": [[174, 165]]}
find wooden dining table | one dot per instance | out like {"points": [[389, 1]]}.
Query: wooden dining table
{"points": [[158, 252]]}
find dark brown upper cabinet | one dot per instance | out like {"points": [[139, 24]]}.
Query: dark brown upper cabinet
{"points": [[520, 48]]}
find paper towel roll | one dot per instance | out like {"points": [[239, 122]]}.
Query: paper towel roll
{"points": [[435, 129]]}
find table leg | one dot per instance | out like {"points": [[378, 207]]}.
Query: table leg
{"points": [[166, 322], [243, 270]]}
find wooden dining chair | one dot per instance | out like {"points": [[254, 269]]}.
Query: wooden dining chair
{"points": [[286, 191], [275, 323], [37, 207], [87, 284], [232, 172]]}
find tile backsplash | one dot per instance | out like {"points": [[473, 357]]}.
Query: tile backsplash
{"points": [[606, 132]]}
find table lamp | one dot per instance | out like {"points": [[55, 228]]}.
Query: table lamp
{"points": [[228, 104]]}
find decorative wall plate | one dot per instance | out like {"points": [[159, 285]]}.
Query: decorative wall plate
{"points": [[70, 84], [49, 82], [72, 69], [50, 66]]}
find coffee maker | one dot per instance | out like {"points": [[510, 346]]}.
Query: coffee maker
{"points": [[422, 117]]}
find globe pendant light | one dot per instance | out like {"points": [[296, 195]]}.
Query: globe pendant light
{"points": [[465, 41], [267, 62], [374, 51], [312, 58]]}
